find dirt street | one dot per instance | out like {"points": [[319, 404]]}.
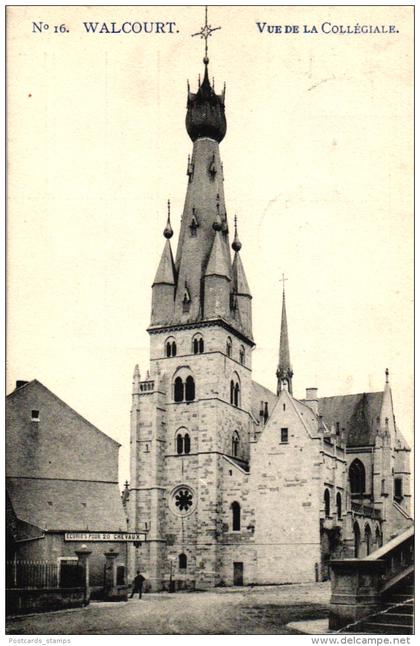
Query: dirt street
{"points": [[232, 611]]}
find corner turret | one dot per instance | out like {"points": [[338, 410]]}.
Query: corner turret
{"points": [[163, 288]]}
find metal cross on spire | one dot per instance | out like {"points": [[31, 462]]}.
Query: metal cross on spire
{"points": [[283, 280], [205, 32]]}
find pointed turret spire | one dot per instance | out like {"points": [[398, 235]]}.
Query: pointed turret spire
{"points": [[165, 279], [165, 274], [386, 416], [241, 294], [136, 379], [217, 264], [284, 369]]}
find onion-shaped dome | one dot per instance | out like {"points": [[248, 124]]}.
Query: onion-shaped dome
{"points": [[236, 244], [206, 112]]}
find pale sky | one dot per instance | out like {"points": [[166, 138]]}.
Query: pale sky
{"points": [[317, 165]]}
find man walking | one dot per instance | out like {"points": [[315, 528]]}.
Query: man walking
{"points": [[137, 585]]}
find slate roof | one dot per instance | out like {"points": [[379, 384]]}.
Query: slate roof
{"points": [[218, 264], [356, 414], [166, 270], [69, 505], [239, 278], [308, 416]]}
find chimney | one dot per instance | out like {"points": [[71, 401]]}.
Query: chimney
{"points": [[21, 383], [312, 399]]}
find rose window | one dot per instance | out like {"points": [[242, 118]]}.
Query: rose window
{"points": [[183, 500]]}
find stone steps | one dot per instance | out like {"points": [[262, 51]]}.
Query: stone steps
{"points": [[387, 629], [398, 619]]}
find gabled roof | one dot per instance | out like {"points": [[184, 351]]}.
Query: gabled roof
{"points": [[38, 384], [73, 505], [309, 418], [356, 414]]}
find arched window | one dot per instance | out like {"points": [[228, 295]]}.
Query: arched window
{"points": [[232, 392], [242, 355], [189, 389], [229, 346], [236, 516], [237, 401], [198, 344], [356, 532], [170, 347], [235, 444], [182, 562], [184, 386], [180, 444], [338, 503], [357, 477], [378, 537], [327, 503], [368, 539], [178, 390]]}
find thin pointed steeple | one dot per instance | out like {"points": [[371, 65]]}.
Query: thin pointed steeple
{"points": [[284, 368], [386, 416]]}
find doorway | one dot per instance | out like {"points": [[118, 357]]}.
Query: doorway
{"points": [[238, 574]]}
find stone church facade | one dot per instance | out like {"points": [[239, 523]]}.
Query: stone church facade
{"points": [[235, 484]]}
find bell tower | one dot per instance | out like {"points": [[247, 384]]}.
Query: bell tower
{"points": [[193, 412]]}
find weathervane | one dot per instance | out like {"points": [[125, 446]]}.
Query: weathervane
{"points": [[205, 32]]}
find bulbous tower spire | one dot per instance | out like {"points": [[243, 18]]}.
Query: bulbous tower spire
{"points": [[206, 109], [206, 112]]}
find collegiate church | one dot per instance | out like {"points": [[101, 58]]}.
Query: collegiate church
{"points": [[232, 483]]}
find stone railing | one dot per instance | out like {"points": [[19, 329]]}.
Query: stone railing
{"points": [[368, 511], [147, 386], [357, 585]]}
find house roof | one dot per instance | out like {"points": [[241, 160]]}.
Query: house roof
{"points": [[67, 505], [36, 383], [308, 416], [356, 414]]}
